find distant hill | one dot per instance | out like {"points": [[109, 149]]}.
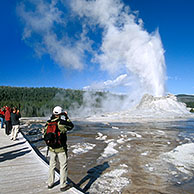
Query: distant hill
{"points": [[187, 99]]}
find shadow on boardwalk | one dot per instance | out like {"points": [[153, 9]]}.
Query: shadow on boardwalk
{"points": [[93, 174], [14, 154], [9, 146]]}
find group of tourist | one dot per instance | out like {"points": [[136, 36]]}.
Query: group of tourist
{"points": [[10, 117], [54, 135]]}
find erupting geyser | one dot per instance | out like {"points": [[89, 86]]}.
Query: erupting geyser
{"points": [[111, 37]]}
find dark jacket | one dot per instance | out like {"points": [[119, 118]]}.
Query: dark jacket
{"points": [[15, 118]]}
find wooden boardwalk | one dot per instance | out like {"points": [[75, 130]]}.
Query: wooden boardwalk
{"points": [[22, 170]]}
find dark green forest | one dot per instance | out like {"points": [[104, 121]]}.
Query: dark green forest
{"points": [[187, 99], [40, 101]]}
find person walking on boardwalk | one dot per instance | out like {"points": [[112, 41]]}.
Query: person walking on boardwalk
{"points": [[15, 116], [56, 138], [2, 116], [8, 121]]}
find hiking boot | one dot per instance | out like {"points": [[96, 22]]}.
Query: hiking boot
{"points": [[66, 187], [50, 186]]}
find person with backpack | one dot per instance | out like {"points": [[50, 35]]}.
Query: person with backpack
{"points": [[15, 116], [56, 139]]}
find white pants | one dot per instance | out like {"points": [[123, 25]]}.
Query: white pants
{"points": [[63, 168], [14, 132]]}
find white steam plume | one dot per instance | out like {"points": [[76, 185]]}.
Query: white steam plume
{"points": [[106, 33], [126, 46]]}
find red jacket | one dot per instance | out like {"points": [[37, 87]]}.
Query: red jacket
{"points": [[8, 114], [2, 112]]}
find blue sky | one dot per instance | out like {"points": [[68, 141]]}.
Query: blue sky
{"points": [[31, 57]]}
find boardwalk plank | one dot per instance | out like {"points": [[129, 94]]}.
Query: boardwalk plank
{"points": [[22, 170]]}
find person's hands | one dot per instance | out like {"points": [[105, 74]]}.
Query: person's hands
{"points": [[64, 113]]}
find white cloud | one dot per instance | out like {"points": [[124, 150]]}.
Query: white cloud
{"points": [[41, 19], [124, 47], [121, 80], [176, 78], [40, 24]]}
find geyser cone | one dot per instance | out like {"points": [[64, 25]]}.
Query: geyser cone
{"points": [[163, 105], [150, 108]]}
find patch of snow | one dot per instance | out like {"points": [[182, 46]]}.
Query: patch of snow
{"points": [[182, 157], [124, 136], [129, 139], [151, 169], [120, 141], [110, 182], [114, 127], [82, 148], [101, 136], [123, 165], [161, 132], [134, 134], [109, 150], [145, 153]]}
